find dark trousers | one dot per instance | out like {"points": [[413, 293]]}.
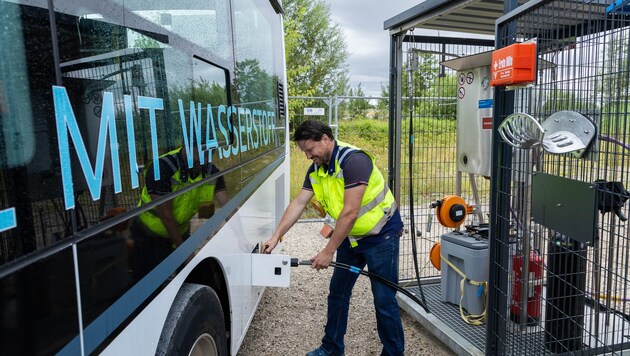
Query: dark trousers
{"points": [[381, 259], [149, 249]]}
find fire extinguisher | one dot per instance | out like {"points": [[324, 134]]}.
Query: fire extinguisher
{"points": [[534, 292]]}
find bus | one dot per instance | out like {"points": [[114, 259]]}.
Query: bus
{"points": [[143, 159]]}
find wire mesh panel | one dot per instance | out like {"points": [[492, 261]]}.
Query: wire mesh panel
{"points": [[428, 170], [559, 236]]}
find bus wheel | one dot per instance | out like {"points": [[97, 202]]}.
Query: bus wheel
{"points": [[195, 324]]}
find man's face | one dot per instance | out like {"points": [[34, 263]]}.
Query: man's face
{"points": [[317, 151]]}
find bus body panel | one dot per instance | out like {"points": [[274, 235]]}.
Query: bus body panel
{"points": [[256, 219]]}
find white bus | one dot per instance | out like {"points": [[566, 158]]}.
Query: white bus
{"points": [[102, 249]]}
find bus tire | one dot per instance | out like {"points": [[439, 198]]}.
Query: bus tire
{"points": [[195, 324]]}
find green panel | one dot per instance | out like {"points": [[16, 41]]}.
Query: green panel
{"points": [[565, 205]]}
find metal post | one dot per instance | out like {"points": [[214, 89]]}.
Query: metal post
{"points": [[395, 107], [496, 333], [329, 102], [475, 191], [336, 104]]}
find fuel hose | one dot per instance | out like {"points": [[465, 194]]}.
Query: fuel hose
{"points": [[297, 262]]}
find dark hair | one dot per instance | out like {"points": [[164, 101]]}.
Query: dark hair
{"points": [[312, 130]]}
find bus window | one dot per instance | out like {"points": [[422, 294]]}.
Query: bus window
{"points": [[31, 195], [256, 85], [115, 92], [202, 23]]}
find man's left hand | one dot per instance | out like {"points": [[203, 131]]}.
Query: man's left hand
{"points": [[322, 260]]}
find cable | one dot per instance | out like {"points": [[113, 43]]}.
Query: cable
{"points": [[296, 262], [410, 94]]}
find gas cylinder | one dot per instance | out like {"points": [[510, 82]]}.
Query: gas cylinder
{"points": [[534, 292]]}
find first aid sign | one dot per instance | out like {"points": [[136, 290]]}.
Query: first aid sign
{"points": [[514, 64]]}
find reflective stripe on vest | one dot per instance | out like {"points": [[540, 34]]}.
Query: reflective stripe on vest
{"points": [[185, 205], [377, 205]]}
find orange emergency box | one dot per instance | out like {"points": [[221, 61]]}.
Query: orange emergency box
{"points": [[514, 64]]}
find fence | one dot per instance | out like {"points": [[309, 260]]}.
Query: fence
{"points": [[560, 217], [363, 121]]}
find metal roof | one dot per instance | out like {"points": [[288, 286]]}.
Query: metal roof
{"points": [[470, 16]]}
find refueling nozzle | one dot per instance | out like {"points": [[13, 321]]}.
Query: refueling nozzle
{"points": [[297, 262]]}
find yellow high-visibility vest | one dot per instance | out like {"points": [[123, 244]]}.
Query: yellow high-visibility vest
{"points": [[378, 203], [185, 205]]}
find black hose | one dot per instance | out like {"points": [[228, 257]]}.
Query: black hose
{"points": [[411, 210], [295, 262]]}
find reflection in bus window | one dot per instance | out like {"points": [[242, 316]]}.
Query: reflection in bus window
{"points": [[256, 83], [30, 187], [157, 232], [201, 22]]}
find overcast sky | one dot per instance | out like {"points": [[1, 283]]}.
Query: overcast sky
{"points": [[368, 44]]}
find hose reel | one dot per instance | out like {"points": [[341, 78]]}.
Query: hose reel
{"points": [[451, 210]]}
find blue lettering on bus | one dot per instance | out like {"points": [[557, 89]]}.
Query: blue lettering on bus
{"points": [[147, 102], [66, 122], [210, 143], [131, 143], [266, 132], [194, 131], [7, 219], [233, 111], [241, 112], [224, 152], [242, 128], [248, 128], [255, 128]]}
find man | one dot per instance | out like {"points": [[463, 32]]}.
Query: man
{"points": [[349, 186], [158, 231]]}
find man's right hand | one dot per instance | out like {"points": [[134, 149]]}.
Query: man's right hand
{"points": [[270, 245]]}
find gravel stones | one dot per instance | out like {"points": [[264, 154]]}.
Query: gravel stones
{"points": [[290, 321]]}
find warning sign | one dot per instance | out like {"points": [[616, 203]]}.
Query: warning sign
{"points": [[470, 78], [461, 92], [461, 78], [486, 123]]}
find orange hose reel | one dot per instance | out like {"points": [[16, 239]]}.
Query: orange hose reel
{"points": [[434, 256], [451, 210]]}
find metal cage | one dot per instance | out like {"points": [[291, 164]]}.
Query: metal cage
{"points": [[559, 240], [424, 144], [556, 202]]}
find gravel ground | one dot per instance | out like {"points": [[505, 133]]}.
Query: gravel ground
{"points": [[291, 321]]}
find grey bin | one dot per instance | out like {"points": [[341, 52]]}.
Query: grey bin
{"points": [[469, 253]]}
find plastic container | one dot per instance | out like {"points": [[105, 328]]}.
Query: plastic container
{"points": [[470, 254]]}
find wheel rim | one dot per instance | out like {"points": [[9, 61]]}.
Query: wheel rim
{"points": [[204, 346]]}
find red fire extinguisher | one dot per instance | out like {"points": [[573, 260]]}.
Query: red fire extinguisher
{"points": [[534, 292]]}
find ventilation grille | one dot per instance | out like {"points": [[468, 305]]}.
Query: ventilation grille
{"points": [[281, 101]]}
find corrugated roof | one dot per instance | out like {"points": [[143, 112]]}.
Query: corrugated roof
{"points": [[479, 16], [470, 16]]}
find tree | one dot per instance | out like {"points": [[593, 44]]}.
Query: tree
{"points": [[444, 92], [358, 107], [614, 87], [316, 51], [254, 84], [427, 82]]}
